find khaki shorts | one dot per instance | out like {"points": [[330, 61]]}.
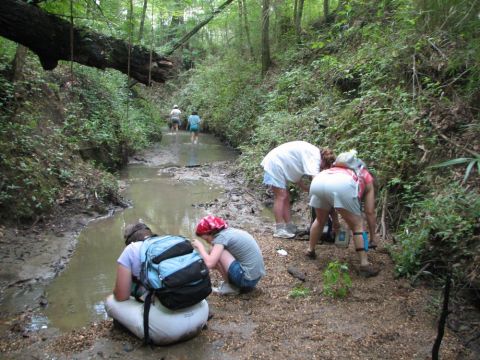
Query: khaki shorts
{"points": [[338, 190]]}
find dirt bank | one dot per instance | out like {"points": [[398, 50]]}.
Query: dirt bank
{"points": [[381, 318]]}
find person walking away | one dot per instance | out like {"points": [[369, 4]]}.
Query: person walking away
{"points": [[165, 326], [343, 187], [289, 162], [175, 117], [194, 126], [234, 253]]}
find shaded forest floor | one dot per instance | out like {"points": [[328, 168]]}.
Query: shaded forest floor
{"points": [[381, 318]]}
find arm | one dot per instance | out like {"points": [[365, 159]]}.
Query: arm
{"points": [[211, 259], [123, 283], [370, 214]]}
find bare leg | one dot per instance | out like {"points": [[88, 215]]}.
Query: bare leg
{"points": [[316, 228], [226, 260], [281, 205], [355, 223]]}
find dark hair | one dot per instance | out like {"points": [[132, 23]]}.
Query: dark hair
{"points": [[136, 232], [194, 113]]}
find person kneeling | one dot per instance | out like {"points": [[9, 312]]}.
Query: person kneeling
{"points": [[165, 326], [235, 254]]}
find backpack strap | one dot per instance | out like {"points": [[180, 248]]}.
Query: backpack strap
{"points": [[146, 312], [135, 293]]}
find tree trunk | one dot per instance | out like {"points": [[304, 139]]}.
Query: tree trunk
{"points": [[142, 20], [49, 37], [240, 27], [295, 13], [247, 29], [326, 5], [18, 62], [266, 61], [298, 20], [174, 30], [443, 317]]}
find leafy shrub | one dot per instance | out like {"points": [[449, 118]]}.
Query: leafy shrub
{"points": [[336, 281], [442, 233], [224, 94]]}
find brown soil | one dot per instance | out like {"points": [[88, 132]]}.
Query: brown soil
{"points": [[381, 317]]}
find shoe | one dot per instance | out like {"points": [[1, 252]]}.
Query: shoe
{"points": [[226, 289], [292, 228], [311, 254], [367, 271], [283, 233]]}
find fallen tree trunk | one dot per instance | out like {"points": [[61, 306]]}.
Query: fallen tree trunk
{"points": [[48, 36]]}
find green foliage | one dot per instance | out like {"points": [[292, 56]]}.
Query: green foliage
{"points": [[98, 118], [54, 121], [442, 231], [471, 164], [29, 165], [225, 97], [336, 280], [299, 291]]}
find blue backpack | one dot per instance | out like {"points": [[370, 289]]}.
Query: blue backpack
{"points": [[174, 272]]}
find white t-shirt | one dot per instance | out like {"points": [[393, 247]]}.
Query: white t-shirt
{"points": [[130, 258], [292, 160], [175, 114]]}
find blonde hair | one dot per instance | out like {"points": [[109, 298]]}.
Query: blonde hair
{"points": [[328, 158]]}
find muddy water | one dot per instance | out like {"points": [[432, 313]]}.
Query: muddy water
{"points": [[76, 297]]}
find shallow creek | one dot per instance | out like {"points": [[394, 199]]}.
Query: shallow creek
{"points": [[76, 296]]}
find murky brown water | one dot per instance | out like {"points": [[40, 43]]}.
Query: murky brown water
{"points": [[76, 297]]}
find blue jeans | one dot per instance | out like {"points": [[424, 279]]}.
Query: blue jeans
{"points": [[236, 276]]}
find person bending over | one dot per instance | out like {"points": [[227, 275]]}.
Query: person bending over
{"points": [[290, 162], [234, 253], [343, 187]]}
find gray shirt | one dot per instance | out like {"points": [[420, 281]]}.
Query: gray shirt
{"points": [[244, 249]]}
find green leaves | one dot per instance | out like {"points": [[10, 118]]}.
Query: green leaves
{"points": [[441, 231], [336, 280], [471, 163], [299, 291]]}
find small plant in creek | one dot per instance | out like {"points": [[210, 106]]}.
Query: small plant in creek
{"points": [[336, 281], [299, 291]]}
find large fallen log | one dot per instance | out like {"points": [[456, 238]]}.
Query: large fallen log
{"points": [[48, 36]]}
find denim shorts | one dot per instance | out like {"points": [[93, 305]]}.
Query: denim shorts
{"points": [[236, 276], [271, 181]]}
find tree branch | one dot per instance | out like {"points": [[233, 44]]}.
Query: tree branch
{"points": [[187, 36], [48, 36]]}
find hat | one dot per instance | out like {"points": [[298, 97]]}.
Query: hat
{"points": [[175, 106], [210, 224]]}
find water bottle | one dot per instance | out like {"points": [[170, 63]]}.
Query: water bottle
{"points": [[342, 238]]}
